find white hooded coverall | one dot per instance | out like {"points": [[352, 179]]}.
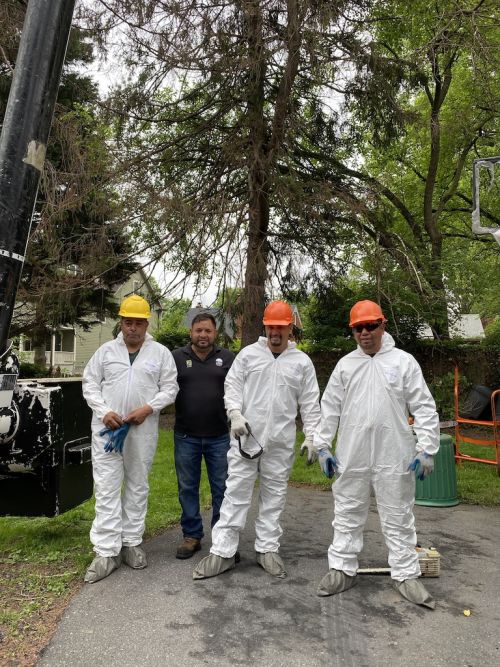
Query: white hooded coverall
{"points": [[111, 383], [268, 391], [369, 400]]}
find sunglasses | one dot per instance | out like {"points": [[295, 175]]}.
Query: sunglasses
{"points": [[245, 454], [369, 326]]}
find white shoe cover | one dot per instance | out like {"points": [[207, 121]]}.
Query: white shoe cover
{"points": [[134, 557], [414, 591], [101, 567], [272, 563], [212, 565], [335, 581]]}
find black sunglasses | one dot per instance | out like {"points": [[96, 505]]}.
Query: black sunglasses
{"points": [[245, 454], [370, 326]]}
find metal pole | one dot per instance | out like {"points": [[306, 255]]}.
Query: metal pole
{"points": [[24, 137]]}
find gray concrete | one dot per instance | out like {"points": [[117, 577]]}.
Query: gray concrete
{"points": [[160, 616]]}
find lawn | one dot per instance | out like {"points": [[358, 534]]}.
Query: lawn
{"points": [[43, 560]]}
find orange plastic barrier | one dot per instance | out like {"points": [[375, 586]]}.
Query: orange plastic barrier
{"points": [[494, 424]]}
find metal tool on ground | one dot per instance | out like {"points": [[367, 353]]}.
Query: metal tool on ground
{"points": [[428, 558]]}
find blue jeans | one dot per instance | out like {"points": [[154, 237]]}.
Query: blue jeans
{"points": [[188, 452]]}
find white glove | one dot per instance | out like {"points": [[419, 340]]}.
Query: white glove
{"points": [[239, 424], [308, 446], [422, 464]]}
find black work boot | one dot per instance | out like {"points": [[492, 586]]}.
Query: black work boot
{"points": [[189, 546]]}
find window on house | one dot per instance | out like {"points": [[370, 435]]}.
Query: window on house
{"points": [[26, 345], [64, 341]]}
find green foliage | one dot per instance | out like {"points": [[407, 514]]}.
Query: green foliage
{"points": [[173, 339], [442, 390], [328, 344], [235, 345], [28, 370], [172, 332], [326, 311], [492, 334]]}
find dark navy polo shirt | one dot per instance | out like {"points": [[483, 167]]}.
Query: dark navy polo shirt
{"points": [[199, 406]]}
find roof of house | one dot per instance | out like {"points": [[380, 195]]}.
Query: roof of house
{"points": [[215, 312], [465, 326]]}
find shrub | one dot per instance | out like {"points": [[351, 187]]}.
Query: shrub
{"points": [[173, 338], [29, 370], [492, 334]]}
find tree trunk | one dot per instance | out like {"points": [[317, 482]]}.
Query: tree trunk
{"points": [[258, 183], [39, 340], [265, 143], [256, 269], [439, 323]]}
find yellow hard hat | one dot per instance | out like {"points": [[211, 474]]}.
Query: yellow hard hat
{"points": [[135, 306]]}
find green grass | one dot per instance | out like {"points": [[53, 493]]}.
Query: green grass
{"points": [[43, 560], [478, 483]]}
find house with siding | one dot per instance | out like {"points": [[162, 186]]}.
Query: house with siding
{"points": [[69, 348]]}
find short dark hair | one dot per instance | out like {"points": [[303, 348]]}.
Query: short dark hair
{"points": [[203, 316]]}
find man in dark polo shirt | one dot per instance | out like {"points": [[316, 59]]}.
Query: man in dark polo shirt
{"points": [[201, 428]]}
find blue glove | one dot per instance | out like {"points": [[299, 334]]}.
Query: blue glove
{"points": [[328, 463], [116, 438], [422, 464]]}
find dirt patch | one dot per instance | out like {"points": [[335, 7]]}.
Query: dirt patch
{"points": [[32, 606]]}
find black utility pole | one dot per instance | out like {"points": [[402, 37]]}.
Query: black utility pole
{"points": [[23, 142]]}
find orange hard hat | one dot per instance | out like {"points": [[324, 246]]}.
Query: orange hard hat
{"points": [[278, 313], [365, 311]]}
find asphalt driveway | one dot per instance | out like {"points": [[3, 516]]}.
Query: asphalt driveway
{"points": [[160, 616]]}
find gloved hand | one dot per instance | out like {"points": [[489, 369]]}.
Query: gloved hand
{"points": [[307, 446], [116, 438], [422, 464], [239, 424], [328, 463]]}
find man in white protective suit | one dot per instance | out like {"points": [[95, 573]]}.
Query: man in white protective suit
{"points": [[267, 384], [368, 400], [126, 383]]}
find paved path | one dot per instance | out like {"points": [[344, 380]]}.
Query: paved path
{"points": [[161, 617]]}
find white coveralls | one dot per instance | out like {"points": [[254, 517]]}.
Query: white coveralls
{"points": [[268, 391], [110, 382], [368, 399]]}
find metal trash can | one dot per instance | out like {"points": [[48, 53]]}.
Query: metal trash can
{"points": [[440, 488]]}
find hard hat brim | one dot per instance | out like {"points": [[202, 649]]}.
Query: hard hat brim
{"points": [[283, 323], [359, 320], [134, 316]]}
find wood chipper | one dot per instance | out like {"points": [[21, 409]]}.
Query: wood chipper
{"points": [[45, 463]]}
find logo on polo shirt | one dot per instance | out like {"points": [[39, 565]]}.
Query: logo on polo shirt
{"points": [[218, 361], [189, 363]]}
